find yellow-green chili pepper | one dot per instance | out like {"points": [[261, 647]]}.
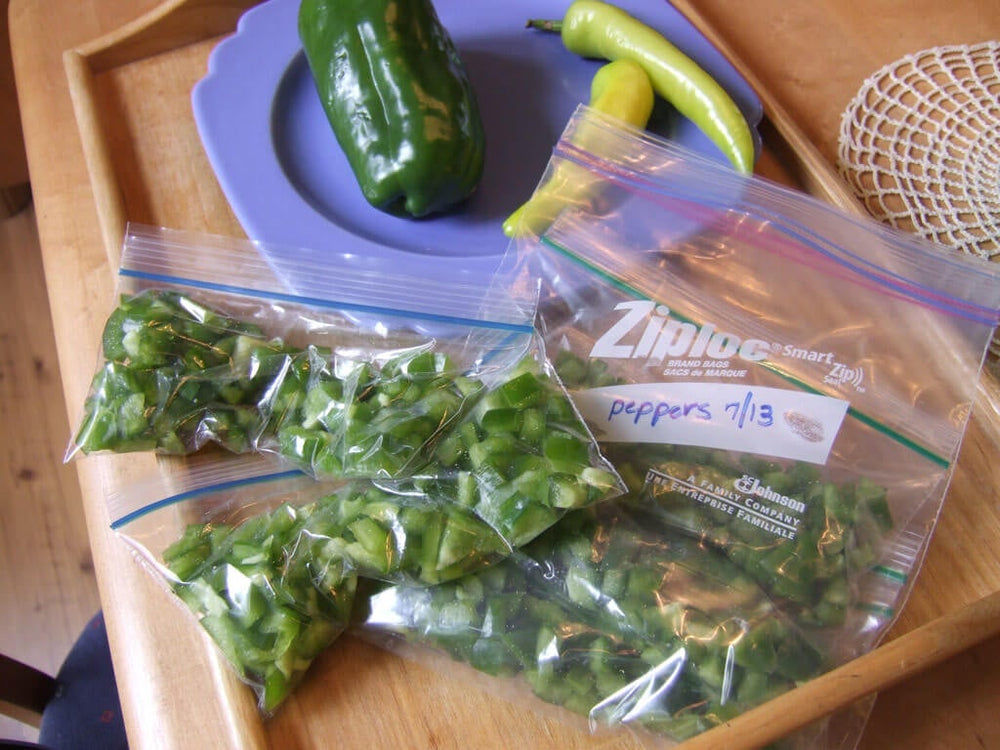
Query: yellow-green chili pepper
{"points": [[621, 89], [592, 28]]}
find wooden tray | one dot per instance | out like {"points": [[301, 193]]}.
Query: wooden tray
{"points": [[163, 54]]}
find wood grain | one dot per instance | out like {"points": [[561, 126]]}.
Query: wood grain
{"points": [[171, 673], [168, 26], [48, 591], [13, 162]]}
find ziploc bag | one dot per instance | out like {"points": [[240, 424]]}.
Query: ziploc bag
{"points": [[268, 558], [362, 374], [614, 616], [783, 388], [209, 344], [774, 377]]}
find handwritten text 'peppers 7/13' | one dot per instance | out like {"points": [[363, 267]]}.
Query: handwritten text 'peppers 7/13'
{"points": [[595, 29], [398, 99], [621, 89]]}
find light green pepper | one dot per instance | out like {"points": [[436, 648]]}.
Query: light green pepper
{"points": [[595, 29]]}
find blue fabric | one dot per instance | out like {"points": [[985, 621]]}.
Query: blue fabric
{"points": [[85, 713]]}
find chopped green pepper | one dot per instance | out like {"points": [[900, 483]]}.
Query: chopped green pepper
{"points": [[177, 376], [398, 412], [614, 616], [397, 532], [522, 457], [806, 546], [272, 594], [516, 454]]}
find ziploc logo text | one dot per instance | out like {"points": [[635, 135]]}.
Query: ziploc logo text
{"points": [[663, 337]]}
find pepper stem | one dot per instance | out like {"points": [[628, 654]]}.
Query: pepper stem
{"points": [[544, 24]]}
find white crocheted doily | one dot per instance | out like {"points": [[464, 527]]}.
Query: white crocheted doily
{"points": [[920, 146]]}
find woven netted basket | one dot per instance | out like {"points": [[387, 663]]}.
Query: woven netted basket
{"points": [[920, 146]]}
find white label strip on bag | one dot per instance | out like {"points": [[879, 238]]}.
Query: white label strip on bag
{"points": [[762, 420]]}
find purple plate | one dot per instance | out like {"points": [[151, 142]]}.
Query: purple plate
{"points": [[289, 184]]}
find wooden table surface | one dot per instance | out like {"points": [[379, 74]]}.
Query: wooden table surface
{"points": [[811, 56]]}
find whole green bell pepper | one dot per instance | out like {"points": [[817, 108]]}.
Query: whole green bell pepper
{"points": [[398, 99]]}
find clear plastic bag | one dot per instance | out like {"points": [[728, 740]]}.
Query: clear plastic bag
{"points": [[268, 558], [364, 374], [615, 616], [774, 377], [208, 344], [779, 384]]}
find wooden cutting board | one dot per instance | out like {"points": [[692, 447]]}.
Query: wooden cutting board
{"points": [[130, 151]]}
